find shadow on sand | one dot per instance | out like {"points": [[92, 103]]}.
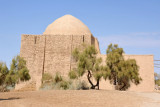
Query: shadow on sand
{"points": [[12, 98]]}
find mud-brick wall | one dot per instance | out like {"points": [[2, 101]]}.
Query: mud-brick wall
{"points": [[50, 53], [95, 43], [92, 40], [146, 72], [77, 41], [32, 50], [58, 52]]}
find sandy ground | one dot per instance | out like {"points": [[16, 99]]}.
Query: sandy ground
{"points": [[79, 98]]}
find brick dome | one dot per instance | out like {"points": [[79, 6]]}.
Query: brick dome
{"points": [[67, 25]]}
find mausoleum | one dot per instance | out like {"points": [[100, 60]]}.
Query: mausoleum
{"points": [[51, 52]]}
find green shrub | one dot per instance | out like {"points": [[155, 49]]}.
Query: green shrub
{"points": [[58, 78], [46, 77], [157, 82], [58, 82], [72, 74], [64, 85]]}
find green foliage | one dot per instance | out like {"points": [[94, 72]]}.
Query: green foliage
{"points": [[58, 82], [97, 69], [157, 82], [18, 71], [157, 79], [106, 72], [119, 71], [58, 78], [122, 71], [47, 77], [73, 75], [3, 72], [54, 82], [64, 85], [24, 74], [87, 62]]}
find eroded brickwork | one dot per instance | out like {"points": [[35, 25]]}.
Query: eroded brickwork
{"points": [[32, 50], [50, 53], [53, 53]]}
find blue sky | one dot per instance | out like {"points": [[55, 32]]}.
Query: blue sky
{"points": [[133, 24]]}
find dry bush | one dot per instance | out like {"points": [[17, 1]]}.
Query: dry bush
{"points": [[58, 82]]}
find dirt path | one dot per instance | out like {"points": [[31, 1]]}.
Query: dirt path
{"points": [[79, 98]]}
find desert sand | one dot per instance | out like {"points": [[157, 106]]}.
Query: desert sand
{"points": [[79, 98]]}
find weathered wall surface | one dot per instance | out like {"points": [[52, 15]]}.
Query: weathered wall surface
{"points": [[50, 53], [146, 72], [32, 50], [58, 52], [97, 46], [92, 40], [53, 53]]}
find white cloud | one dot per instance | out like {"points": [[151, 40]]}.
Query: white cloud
{"points": [[141, 39]]}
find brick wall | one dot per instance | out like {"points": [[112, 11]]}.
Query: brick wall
{"points": [[32, 50], [146, 72], [53, 53], [50, 53]]}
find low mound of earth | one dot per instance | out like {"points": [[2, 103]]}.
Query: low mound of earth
{"points": [[79, 98]]}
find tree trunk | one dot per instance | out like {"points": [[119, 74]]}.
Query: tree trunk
{"points": [[89, 79], [97, 83], [122, 88]]}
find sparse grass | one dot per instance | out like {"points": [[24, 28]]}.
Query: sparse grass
{"points": [[157, 82], [58, 82], [46, 77]]}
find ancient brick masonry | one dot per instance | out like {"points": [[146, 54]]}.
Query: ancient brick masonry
{"points": [[51, 53], [32, 50]]}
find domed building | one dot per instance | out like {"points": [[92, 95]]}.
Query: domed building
{"points": [[51, 52], [67, 25]]}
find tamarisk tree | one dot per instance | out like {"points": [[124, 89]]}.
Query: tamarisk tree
{"points": [[3, 73], [122, 71], [18, 71], [87, 63]]}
